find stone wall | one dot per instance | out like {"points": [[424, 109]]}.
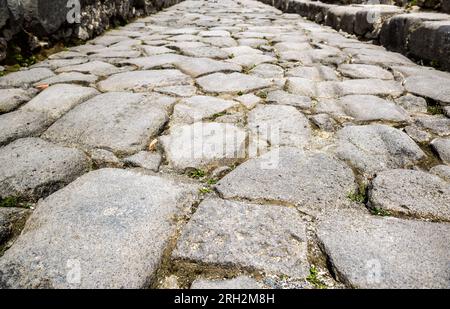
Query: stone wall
{"points": [[421, 35], [34, 21]]}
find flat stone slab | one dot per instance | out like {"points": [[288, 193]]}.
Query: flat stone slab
{"points": [[412, 103], [95, 67], [370, 86], [107, 229], [69, 77], [231, 83], [433, 87], [442, 171], [370, 108], [312, 181], [261, 237], [286, 98], [117, 121], [151, 62], [143, 81], [37, 168], [200, 66], [25, 78], [364, 71], [374, 148], [437, 124], [21, 123], [316, 73], [240, 282], [10, 99], [379, 252], [442, 147], [145, 159], [280, 125], [250, 60], [412, 193], [204, 145], [57, 100], [197, 108]]}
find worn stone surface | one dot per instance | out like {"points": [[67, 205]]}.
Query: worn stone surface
{"points": [[311, 181], [21, 123], [278, 115], [231, 83], [57, 100], [442, 171], [272, 238], [37, 168], [374, 148], [411, 193], [144, 159], [240, 282], [364, 71], [286, 98], [280, 125], [432, 87], [197, 108], [369, 108], [25, 78], [120, 122], [442, 148], [113, 218], [204, 145], [143, 81], [380, 252], [10, 99]]}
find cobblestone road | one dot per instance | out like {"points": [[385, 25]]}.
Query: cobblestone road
{"points": [[225, 144]]}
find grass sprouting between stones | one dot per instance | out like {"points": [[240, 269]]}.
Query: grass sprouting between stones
{"points": [[314, 279]]}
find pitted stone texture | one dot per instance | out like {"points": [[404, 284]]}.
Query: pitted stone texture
{"points": [[21, 123], [442, 147], [37, 168], [10, 99], [312, 181], [57, 100], [364, 71], [374, 148], [143, 81], [204, 145], [231, 83], [200, 107], [145, 159], [240, 282], [114, 224], [117, 121], [358, 244], [261, 237], [25, 78], [98, 68], [433, 87], [280, 125], [412, 193], [286, 98]]}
